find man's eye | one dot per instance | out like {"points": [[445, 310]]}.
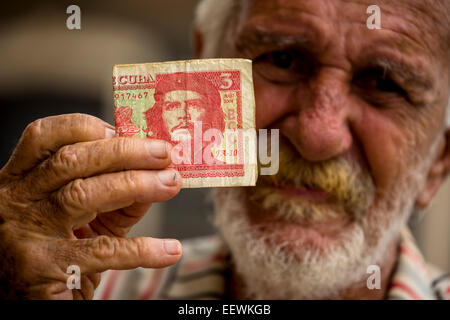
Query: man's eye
{"points": [[171, 105], [283, 60], [194, 105], [282, 66], [387, 85], [376, 80]]}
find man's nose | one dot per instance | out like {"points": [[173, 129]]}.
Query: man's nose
{"points": [[323, 119], [182, 113]]}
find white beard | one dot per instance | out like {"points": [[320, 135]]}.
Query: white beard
{"points": [[275, 272]]}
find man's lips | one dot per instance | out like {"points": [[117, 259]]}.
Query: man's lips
{"points": [[306, 193], [181, 125], [314, 231]]}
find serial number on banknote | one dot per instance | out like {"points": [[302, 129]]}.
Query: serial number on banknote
{"points": [[132, 96]]}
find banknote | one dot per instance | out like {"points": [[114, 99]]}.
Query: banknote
{"points": [[204, 108]]}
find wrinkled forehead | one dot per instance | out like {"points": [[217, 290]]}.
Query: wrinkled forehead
{"points": [[181, 95], [423, 24]]}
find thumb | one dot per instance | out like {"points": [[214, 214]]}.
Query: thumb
{"points": [[105, 253]]}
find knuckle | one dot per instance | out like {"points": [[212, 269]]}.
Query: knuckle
{"points": [[72, 121], [34, 130], [81, 120], [82, 116], [65, 159], [140, 247], [123, 146], [79, 124], [75, 194], [131, 179], [104, 247]]}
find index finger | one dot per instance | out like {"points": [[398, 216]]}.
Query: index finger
{"points": [[45, 136]]}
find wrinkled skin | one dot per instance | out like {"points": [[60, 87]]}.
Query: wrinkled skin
{"points": [[68, 196], [334, 88], [331, 98]]}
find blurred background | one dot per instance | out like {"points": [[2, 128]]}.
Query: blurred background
{"points": [[48, 70]]}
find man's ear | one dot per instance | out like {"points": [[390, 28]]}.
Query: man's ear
{"points": [[438, 172], [198, 43]]}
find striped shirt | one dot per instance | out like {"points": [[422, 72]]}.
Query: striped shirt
{"points": [[202, 274]]}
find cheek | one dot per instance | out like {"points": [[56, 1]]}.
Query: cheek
{"points": [[382, 141], [384, 145], [195, 114], [170, 116]]}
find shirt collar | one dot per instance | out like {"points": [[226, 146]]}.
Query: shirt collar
{"points": [[411, 279]]}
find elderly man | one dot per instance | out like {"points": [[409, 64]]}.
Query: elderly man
{"points": [[364, 140]]}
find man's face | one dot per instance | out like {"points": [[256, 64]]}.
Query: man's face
{"points": [[359, 112], [181, 108]]}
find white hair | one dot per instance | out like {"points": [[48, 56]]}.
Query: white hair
{"points": [[273, 265], [211, 20]]}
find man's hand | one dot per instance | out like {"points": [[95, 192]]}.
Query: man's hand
{"points": [[68, 196]]}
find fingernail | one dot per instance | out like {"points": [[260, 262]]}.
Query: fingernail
{"points": [[109, 133], [172, 247], [158, 149], [168, 177]]}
